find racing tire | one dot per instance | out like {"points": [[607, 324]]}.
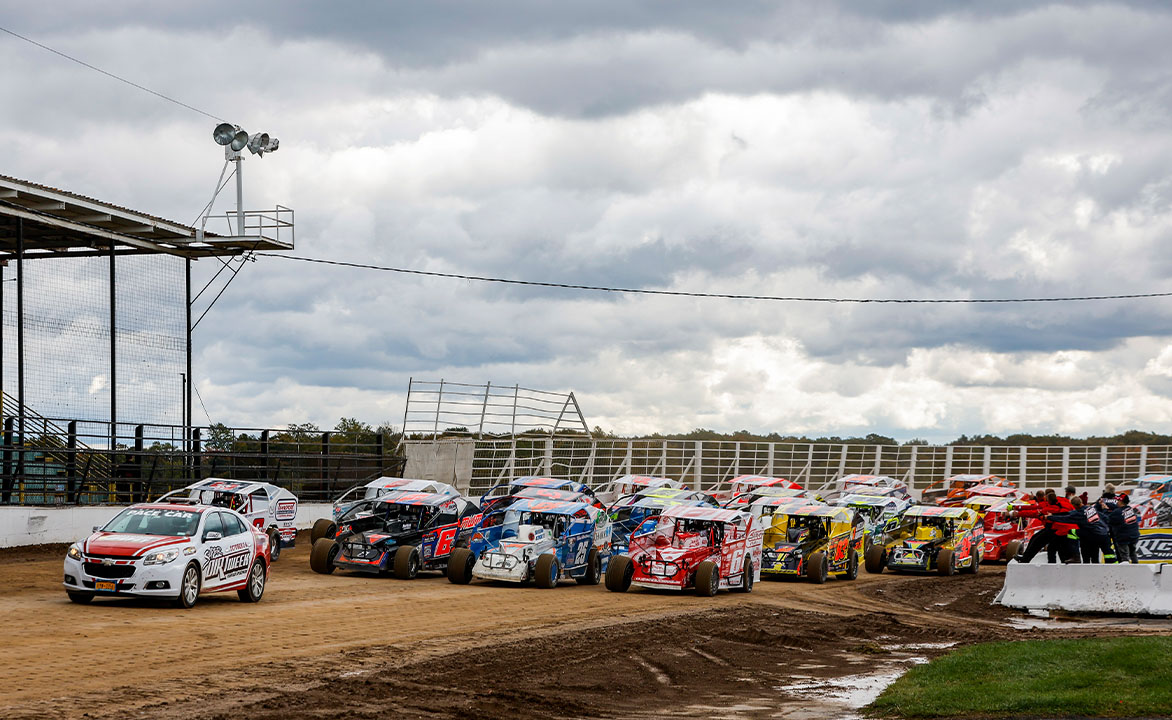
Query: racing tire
{"points": [[322, 528], [747, 577], [80, 598], [189, 587], [460, 564], [1012, 550], [321, 557], [407, 563], [593, 569], [817, 568], [975, 564], [945, 565], [255, 588], [274, 545], [545, 573], [852, 565], [619, 572], [707, 579], [875, 561]]}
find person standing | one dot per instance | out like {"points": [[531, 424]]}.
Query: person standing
{"points": [[1125, 530], [1059, 536], [1093, 533]]}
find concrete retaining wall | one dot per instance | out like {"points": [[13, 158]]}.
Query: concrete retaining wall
{"points": [[1124, 588], [44, 525]]}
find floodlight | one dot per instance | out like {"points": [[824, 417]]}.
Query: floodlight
{"points": [[239, 140], [261, 143], [224, 133]]}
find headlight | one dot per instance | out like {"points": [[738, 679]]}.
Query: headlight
{"points": [[74, 552], [160, 558]]}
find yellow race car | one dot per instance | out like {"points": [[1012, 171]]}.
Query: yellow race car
{"points": [[934, 539], [814, 541]]}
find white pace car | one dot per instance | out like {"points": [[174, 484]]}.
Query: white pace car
{"points": [[173, 551]]}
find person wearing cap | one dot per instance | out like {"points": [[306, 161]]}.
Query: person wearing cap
{"points": [[1124, 521]]}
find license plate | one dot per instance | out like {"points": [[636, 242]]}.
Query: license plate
{"points": [[107, 586]]}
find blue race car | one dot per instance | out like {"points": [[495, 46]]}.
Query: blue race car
{"points": [[536, 539]]}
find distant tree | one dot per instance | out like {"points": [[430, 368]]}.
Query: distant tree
{"points": [[220, 437]]}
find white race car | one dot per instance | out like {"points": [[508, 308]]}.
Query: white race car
{"points": [[273, 510], [171, 551]]}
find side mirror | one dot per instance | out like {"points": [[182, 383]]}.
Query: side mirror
{"points": [[213, 535], [97, 528]]}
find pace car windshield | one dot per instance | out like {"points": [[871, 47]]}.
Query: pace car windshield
{"points": [[154, 521]]}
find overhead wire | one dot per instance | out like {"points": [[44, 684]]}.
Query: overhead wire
{"points": [[711, 295], [108, 74]]}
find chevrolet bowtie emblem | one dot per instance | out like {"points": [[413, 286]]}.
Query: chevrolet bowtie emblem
{"points": [[107, 562]]}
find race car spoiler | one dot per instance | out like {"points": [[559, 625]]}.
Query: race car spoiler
{"points": [[548, 507], [936, 511], [406, 497]]}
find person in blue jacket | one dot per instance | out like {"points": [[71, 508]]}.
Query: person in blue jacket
{"points": [[1124, 521], [1093, 533]]}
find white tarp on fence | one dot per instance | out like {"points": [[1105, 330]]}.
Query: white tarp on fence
{"points": [[34, 525], [1116, 588]]}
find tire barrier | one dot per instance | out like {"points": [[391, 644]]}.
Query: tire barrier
{"points": [[1123, 588]]}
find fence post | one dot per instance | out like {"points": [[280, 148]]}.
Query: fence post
{"points": [[8, 476], [138, 492], [1022, 468], [196, 455], [325, 464], [697, 480], [264, 455], [1065, 465], [71, 463], [1102, 467], [1143, 459]]}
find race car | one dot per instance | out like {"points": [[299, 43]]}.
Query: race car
{"points": [[498, 496], [1151, 498], [1004, 536], [630, 512], [169, 550], [545, 541], [872, 485], [327, 527], [813, 541], [271, 509], [633, 484], [740, 502], [882, 516], [956, 488], [937, 539], [744, 484], [402, 531], [703, 548]]}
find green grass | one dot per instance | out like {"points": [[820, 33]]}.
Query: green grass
{"points": [[1099, 677]]}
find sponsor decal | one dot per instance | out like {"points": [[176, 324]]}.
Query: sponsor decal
{"points": [[219, 564], [286, 509], [1155, 545], [470, 522]]}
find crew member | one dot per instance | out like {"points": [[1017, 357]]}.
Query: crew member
{"points": [[1125, 529], [1062, 537]]}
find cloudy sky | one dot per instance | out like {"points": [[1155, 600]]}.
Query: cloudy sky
{"points": [[870, 149]]}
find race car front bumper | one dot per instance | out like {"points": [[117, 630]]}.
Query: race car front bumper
{"points": [[775, 562], [911, 559], [123, 577], [501, 566]]}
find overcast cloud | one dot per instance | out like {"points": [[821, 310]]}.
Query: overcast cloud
{"points": [[866, 149]]}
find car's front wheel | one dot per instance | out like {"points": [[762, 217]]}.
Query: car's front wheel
{"points": [[1012, 550], [255, 588], [707, 579], [817, 568], [545, 573], [189, 587], [407, 562], [747, 579], [321, 557], [945, 565], [852, 565], [79, 597], [460, 564], [876, 559], [322, 528]]}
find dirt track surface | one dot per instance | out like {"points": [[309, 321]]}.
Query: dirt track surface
{"points": [[363, 647]]}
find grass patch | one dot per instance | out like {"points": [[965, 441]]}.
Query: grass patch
{"points": [[1098, 677]]}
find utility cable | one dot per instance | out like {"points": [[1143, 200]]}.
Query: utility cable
{"points": [[722, 296], [110, 74]]}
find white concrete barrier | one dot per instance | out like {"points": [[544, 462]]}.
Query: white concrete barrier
{"points": [[44, 525], [1121, 588]]}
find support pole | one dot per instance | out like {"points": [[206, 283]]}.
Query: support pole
{"points": [[239, 194], [20, 346], [113, 358], [190, 377]]}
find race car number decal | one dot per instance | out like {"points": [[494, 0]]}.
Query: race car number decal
{"points": [[446, 537]]}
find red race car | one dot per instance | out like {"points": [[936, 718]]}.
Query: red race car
{"points": [[1004, 536], [703, 548]]}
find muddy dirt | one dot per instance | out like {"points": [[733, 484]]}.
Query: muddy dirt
{"points": [[362, 647]]}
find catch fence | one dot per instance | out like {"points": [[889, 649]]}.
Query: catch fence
{"points": [[479, 464], [73, 462]]}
